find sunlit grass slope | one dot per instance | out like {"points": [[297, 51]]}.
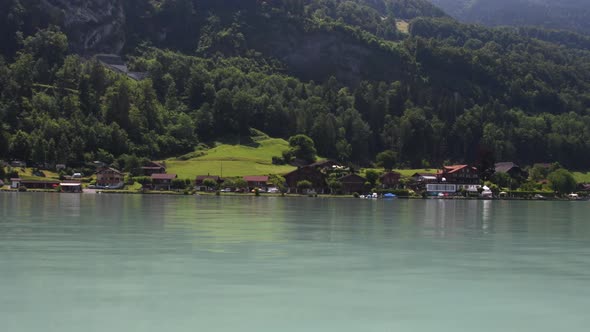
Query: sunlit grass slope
{"points": [[229, 160]]}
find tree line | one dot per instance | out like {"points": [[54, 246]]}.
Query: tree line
{"points": [[452, 92]]}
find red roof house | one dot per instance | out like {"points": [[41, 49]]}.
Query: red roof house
{"points": [[163, 181], [257, 181]]}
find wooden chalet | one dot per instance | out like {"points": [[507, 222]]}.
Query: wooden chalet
{"points": [[108, 176], [390, 179], [257, 181], [307, 173], [153, 167], [162, 181], [353, 183], [459, 174], [511, 169]]}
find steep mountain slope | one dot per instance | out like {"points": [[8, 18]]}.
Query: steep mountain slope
{"points": [[335, 70], [571, 15]]}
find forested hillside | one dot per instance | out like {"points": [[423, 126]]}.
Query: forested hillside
{"points": [[571, 15], [335, 70]]}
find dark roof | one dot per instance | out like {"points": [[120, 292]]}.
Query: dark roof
{"points": [[324, 163], [256, 178], [101, 170], [504, 167], [390, 173], [352, 178], [163, 176]]}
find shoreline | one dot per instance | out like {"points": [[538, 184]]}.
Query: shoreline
{"points": [[326, 196]]}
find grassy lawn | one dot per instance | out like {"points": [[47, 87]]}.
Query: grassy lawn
{"points": [[236, 160], [27, 174], [403, 172], [403, 26], [582, 177]]}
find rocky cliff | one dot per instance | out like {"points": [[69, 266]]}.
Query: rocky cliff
{"points": [[92, 25]]}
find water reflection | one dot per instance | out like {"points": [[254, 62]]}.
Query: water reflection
{"points": [[273, 264]]}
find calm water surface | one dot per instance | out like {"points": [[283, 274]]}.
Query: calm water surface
{"points": [[160, 263]]}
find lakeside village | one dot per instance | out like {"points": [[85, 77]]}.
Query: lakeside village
{"points": [[509, 181]]}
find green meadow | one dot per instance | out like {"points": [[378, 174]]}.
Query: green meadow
{"points": [[229, 160]]}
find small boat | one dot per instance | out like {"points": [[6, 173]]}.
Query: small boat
{"points": [[389, 195]]}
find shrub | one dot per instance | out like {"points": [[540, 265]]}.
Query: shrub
{"points": [[356, 195], [278, 161]]}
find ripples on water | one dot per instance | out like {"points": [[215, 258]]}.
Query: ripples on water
{"points": [[153, 263]]}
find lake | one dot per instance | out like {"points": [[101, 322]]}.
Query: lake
{"points": [[186, 263]]}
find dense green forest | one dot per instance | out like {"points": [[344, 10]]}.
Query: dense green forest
{"points": [[337, 71], [561, 14]]}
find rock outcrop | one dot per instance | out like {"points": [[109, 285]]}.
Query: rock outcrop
{"points": [[91, 25]]}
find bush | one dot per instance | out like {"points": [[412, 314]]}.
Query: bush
{"points": [[143, 180], [178, 184], [278, 161], [356, 195]]}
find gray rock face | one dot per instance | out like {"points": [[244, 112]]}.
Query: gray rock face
{"points": [[91, 25]]}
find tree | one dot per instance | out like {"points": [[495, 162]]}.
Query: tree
{"points": [[335, 186], [210, 184], [372, 176], [562, 181], [279, 182], [502, 179], [387, 159], [20, 146], [303, 185], [303, 147]]}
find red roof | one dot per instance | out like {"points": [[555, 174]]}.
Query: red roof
{"points": [[163, 176], [256, 178], [454, 168]]}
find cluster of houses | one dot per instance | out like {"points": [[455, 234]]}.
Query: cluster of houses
{"points": [[449, 180]]}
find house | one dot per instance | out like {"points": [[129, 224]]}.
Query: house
{"points": [[584, 187], [15, 183], [108, 176], [258, 181], [390, 179], [71, 187], [309, 173], [424, 177], [34, 184], [201, 178], [18, 164], [511, 169], [353, 183], [153, 167], [163, 181], [459, 174]]}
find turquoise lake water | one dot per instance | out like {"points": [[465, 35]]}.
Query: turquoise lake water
{"points": [[161, 263]]}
